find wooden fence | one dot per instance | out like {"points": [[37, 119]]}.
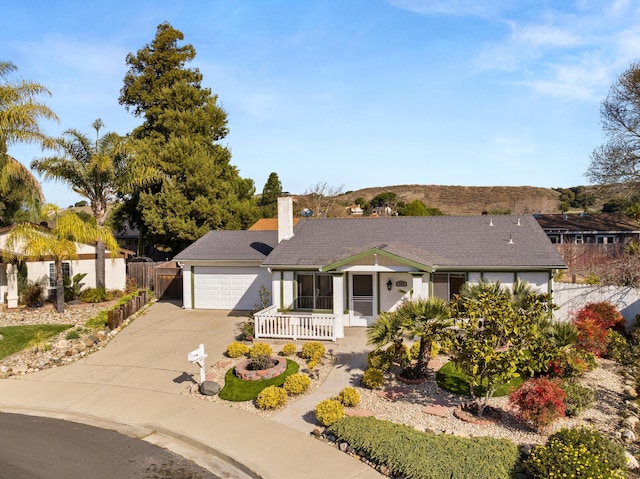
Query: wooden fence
{"points": [[118, 315], [164, 278]]}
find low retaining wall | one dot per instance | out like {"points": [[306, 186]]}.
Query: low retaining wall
{"points": [[118, 315]]}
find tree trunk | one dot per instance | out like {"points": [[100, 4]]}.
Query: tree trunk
{"points": [[423, 357], [100, 265], [59, 287]]}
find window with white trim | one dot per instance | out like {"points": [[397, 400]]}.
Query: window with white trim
{"points": [[66, 272]]}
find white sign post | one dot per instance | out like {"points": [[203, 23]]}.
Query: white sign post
{"points": [[197, 356]]}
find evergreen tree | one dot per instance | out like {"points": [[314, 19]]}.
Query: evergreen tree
{"points": [[198, 189], [270, 193]]}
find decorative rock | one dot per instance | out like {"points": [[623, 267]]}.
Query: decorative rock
{"points": [[630, 422], [89, 342], [630, 392], [101, 336], [80, 346], [628, 436], [632, 462], [62, 344], [343, 446], [209, 388]]}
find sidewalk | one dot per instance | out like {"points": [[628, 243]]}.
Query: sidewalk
{"points": [[134, 384]]}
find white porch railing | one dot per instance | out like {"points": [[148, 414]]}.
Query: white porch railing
{"points": [[269, 323]]}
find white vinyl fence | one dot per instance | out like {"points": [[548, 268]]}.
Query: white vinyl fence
{"points": [[571, 297]]}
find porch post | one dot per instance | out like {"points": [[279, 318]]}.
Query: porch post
{"points": [[418, 286], [12, 285], [276, 294], [338, 303]]}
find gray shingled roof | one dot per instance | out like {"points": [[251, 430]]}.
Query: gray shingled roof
{"points": [[435, 241], [582, 223], [231, 246]]}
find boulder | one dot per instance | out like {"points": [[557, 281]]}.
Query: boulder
{"points": [[632, 462], [209, 388]]}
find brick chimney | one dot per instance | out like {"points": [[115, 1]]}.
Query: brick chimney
{"points": [[285, 218]]}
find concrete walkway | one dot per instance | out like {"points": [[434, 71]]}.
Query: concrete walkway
{"points": [[351, 361], [134, 384]]}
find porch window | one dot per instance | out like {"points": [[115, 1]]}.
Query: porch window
{"points": [[446, 285], [315, 291], [66, 272]]}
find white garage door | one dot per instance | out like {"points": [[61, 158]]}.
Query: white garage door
{"points": [[228, 288]]}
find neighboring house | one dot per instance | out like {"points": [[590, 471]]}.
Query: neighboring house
{"points": [[268, 224], [330, 273], [43, 269], [355, 210], [601, 228]]}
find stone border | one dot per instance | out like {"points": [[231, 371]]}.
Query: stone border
{"points": [[252, 375]]}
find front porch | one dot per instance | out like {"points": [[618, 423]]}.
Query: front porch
{"points": [[271, 323]]}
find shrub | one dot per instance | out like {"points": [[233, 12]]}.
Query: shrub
{"points": [[349, 397], [313, 350], [402, 355], [296, 384], [580, 453], [33, 294], [592, 322], [260, 362], [380, 359], [617, 346], [39, 343], [414, 350], [289, 349], [260, 349], [373, 378], [329, 411], [235, 350], [572, 363], [540, 401], [312, 364], [73, 334], [418, 455], [577, 397], [247, 330], [94, 295], [272, 397]]}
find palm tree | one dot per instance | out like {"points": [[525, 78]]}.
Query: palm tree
{"points": [[20, 113], [90, 167], [388, 328], [430, 320], [60, 243]]}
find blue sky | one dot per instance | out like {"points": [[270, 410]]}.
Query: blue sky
{"points": [[356, 93]]}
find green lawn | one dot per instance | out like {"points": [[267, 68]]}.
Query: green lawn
{"points": [[451, 379], [236, 389], [16, 338]]}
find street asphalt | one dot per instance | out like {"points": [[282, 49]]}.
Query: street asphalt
{"points": [[134, 386]]}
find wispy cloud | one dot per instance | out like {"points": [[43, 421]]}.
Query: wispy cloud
{"points": [[450, 7]]}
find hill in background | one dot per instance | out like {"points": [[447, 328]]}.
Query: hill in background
{"points": [[469, 200]]}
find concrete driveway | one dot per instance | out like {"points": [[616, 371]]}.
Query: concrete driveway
{"points": [[133, 385]]}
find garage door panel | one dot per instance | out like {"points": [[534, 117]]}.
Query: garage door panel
{"points": [[228, 288]]}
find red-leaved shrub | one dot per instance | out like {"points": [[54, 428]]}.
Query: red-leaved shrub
{"points": [[539, 401], [593, 321], [571, 363]]}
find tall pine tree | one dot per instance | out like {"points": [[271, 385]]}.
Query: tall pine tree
{"points": [[199, 189], [270, 193]]}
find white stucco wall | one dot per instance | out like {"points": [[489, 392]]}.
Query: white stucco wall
{"points": [[115, 272], [390, 300]]}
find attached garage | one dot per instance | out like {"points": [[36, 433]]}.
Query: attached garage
{"points": [[228, 287], [222, 269]]}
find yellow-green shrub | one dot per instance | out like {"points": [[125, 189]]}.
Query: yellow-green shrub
{"points": [[260, 349], [271, 397], [235, 350], [380, 359], [329, 411], [296, 384], [414, 351], [349, 397], [313, 350], [373, 378], [289, 349]]}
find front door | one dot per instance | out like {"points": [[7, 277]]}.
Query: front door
{"points": [[362, 300]]}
